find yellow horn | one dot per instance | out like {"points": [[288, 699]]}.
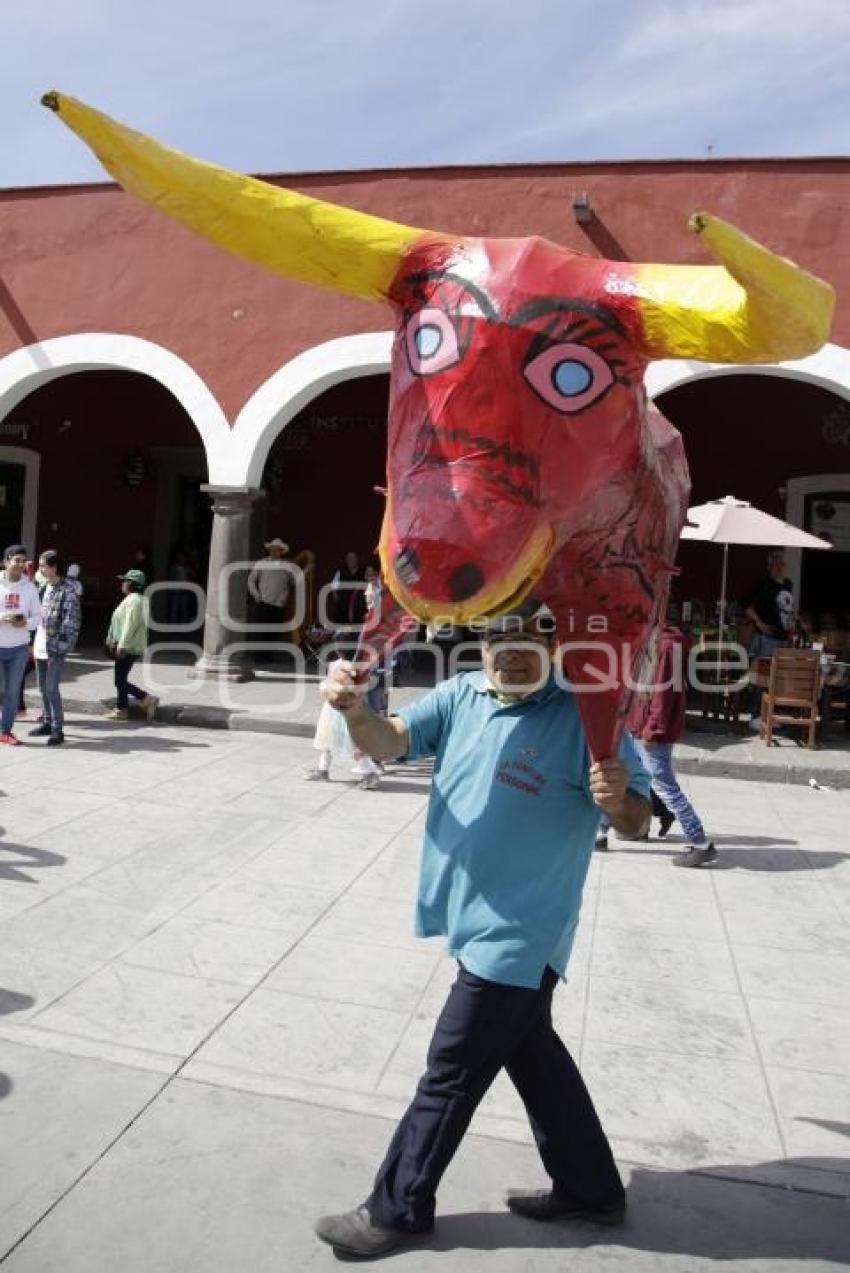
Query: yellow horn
{"points": [[289, 233], [754, 307]]}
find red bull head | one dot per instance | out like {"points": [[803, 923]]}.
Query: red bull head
{"points": [[521, 453]]}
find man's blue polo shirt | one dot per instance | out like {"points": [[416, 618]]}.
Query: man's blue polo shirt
{"points": [[510, 826]]}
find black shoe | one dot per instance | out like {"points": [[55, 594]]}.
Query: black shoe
{"points": [[666, 820], [353, 1234], [545, 1204], [41, 731], [601, 842], [56, 740], [696, 855]]}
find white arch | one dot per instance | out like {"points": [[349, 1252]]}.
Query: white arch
{"points": [[829, 368], [26, 369], [31, 462], [285, 393]]}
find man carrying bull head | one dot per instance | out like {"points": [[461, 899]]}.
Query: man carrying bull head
{"points": [[522, 461], [511, 822]]}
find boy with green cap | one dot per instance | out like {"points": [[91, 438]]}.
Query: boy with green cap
{"points": [[127, 640]]}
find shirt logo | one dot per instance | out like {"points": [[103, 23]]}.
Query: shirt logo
{"points": [[520, 775]]}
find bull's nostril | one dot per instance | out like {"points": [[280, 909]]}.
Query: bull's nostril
{"points": [[406, 565], [465, 581]]}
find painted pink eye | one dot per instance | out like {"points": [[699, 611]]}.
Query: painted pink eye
{"points": [[431, 342], [569, 377]]}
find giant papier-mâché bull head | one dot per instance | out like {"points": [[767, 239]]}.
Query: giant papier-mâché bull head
{"points": [[522, 455]]}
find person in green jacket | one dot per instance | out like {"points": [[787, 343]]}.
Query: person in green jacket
{"points": [[126, 642]]}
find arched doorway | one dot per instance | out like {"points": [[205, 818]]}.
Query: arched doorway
{"points": [[19, 471], [322, 470], [118, 468], [762, 437], [118, 449]]}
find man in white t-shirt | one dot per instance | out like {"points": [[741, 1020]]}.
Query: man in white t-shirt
{"points": [[20, 614]]}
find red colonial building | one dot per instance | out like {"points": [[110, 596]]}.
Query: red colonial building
{"points": [[139, 365]]}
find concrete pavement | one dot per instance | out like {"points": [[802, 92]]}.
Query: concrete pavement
{"points": [[212, 1008]]}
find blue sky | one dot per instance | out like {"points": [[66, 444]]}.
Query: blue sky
{"points": [[293, 85]]}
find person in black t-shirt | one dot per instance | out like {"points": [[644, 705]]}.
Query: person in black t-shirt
{"points": [[770, 606]]}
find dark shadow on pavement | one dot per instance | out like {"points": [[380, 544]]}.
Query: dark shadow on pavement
{"points": [[762, 860], [754, 853], [141, 739], [5, 1085], [675, 846], [700, 1216], [14, 1001], [27, 856], [841, 1129]]}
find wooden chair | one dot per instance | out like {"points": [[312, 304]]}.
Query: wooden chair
{"points": [[794, 685]]}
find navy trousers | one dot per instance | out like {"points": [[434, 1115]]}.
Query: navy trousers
{"points": [[483, 1027]]}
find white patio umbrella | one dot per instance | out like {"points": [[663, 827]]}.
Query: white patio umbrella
{"points": [[733, 521]]}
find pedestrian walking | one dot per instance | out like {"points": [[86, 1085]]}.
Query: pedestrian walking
{"points": [[55, 638], [512, 815], [20, 613], [333, 742], [127, 641], [656, 720]]}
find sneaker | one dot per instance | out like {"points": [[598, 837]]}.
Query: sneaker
{"points": [[118, 713], [149, 706], [545, 1204], [369, 782], [317, 775], [56, 740], [601, 842], [696, 855], [354, 1235], [666, 821], [21, 713], [10, 738], [41, 731]]}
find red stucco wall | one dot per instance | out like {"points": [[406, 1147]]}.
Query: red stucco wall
{"points": [[90, 258]]}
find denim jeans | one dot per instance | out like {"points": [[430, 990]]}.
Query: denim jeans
{"points": [[14, 662], [657, 760], [49, 674]]}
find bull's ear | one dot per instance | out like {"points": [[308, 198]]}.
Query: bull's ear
{"points": [[755, 307], [287, 232]]}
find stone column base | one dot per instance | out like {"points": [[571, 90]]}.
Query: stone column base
{"points": [[220, 667]]}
